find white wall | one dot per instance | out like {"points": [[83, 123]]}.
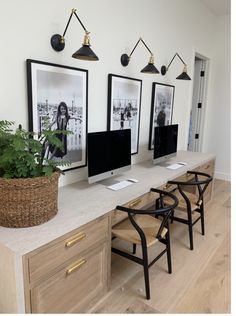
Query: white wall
{"points": [[167, 26], [217, 135]]}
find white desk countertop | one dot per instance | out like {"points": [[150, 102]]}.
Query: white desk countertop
{"points": [[80, 203]]}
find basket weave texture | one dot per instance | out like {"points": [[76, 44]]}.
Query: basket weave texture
{"points": [[28, 202]]}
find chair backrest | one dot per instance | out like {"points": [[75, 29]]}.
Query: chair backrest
{"points": [[201, 185], [161, 209]]}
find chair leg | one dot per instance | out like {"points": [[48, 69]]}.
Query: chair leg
{"points": [[146, 272], [172, 217], [168, 251], [190, 229], [134, 249], [202, 219]]}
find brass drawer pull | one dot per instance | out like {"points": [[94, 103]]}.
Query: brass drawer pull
{"points": [[132, 204], [76, 266], [75, 240], [166, 186]]}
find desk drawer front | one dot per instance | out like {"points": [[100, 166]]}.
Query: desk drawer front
{"points": [[208, 167], [144, 201], [54, 255], [167, 187], [72, 287]]}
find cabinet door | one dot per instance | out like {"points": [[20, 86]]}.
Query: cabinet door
{"points": [[208, 168], [70, 289]]}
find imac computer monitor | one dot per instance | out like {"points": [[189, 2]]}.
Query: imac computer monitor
{"points": [[165, 142], [109, 153]]}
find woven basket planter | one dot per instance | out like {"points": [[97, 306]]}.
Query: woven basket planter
{"points": [[28, 202]]}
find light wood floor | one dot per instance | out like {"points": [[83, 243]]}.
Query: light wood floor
{"points": [[200, 282]]}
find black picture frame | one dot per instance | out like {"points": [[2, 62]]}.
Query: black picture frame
{"points": [[124, 106], [161, 108], [53, 88]]}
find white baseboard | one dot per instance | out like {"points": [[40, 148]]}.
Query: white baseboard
{"points": [[222, 176]]}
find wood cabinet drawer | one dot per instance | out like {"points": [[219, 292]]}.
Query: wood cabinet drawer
{"points": [[208, 167], [144, 201], [52, 256], [74, 286], [167, 187]]}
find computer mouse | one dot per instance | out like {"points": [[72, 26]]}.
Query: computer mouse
{"points": [[182, 163], [133, 180]]}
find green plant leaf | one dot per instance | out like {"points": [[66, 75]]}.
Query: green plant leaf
{"points": [[22, 153]]}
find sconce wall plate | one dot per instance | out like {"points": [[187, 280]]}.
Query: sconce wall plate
{"points": [[163, 70], [124, 60], [56, 43]]}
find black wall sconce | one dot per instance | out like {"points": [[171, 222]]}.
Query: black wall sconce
{"points": [[183, 75], [85, 52], [149, 69]]}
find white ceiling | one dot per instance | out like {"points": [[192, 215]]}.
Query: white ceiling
{"points": [[218, 7]]}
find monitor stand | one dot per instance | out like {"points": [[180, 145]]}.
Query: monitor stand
{"points": [[165, 163], [108, 182]]}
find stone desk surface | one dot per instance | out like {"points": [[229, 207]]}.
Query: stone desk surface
{"points": [[80, 203]]}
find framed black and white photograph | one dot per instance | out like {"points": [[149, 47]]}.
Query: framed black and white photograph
{"points": [[161, 107], [124, 106], [57, 94]]}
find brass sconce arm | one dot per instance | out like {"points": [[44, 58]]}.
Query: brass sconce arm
{"points": [[140, 40], [125, 58]]}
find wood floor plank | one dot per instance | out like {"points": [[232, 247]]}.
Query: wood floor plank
{"points": [[139, 307], [175, 293], [210, 292]]}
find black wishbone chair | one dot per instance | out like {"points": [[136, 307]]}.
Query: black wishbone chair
{"points": [[189, 202], [143, 228]]}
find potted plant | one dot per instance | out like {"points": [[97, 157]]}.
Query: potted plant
{"points": [[28, 176]]}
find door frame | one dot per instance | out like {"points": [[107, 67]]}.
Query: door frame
{"points": [[206, 60]]}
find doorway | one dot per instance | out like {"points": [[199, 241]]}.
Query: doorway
{"points": [[196, 123]]}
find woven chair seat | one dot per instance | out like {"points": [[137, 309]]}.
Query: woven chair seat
{"points": [[182, 204], [149, 225]]}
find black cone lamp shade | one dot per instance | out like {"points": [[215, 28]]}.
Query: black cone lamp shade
{"points": [[85, 52], [149, 69], [183, 76]]}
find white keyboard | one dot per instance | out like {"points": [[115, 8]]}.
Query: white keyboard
{"points": [[120, 185], [175, 166]]}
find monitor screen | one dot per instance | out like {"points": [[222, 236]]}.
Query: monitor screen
{"points": [[165, 142], [109, 153]]}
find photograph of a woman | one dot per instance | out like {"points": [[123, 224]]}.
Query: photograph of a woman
{"points": [[61, 122], [59, 99], [161, 107]]}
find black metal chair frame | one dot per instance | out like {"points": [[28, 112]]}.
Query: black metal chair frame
{"points": [[165, 211], [201, 186]]}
